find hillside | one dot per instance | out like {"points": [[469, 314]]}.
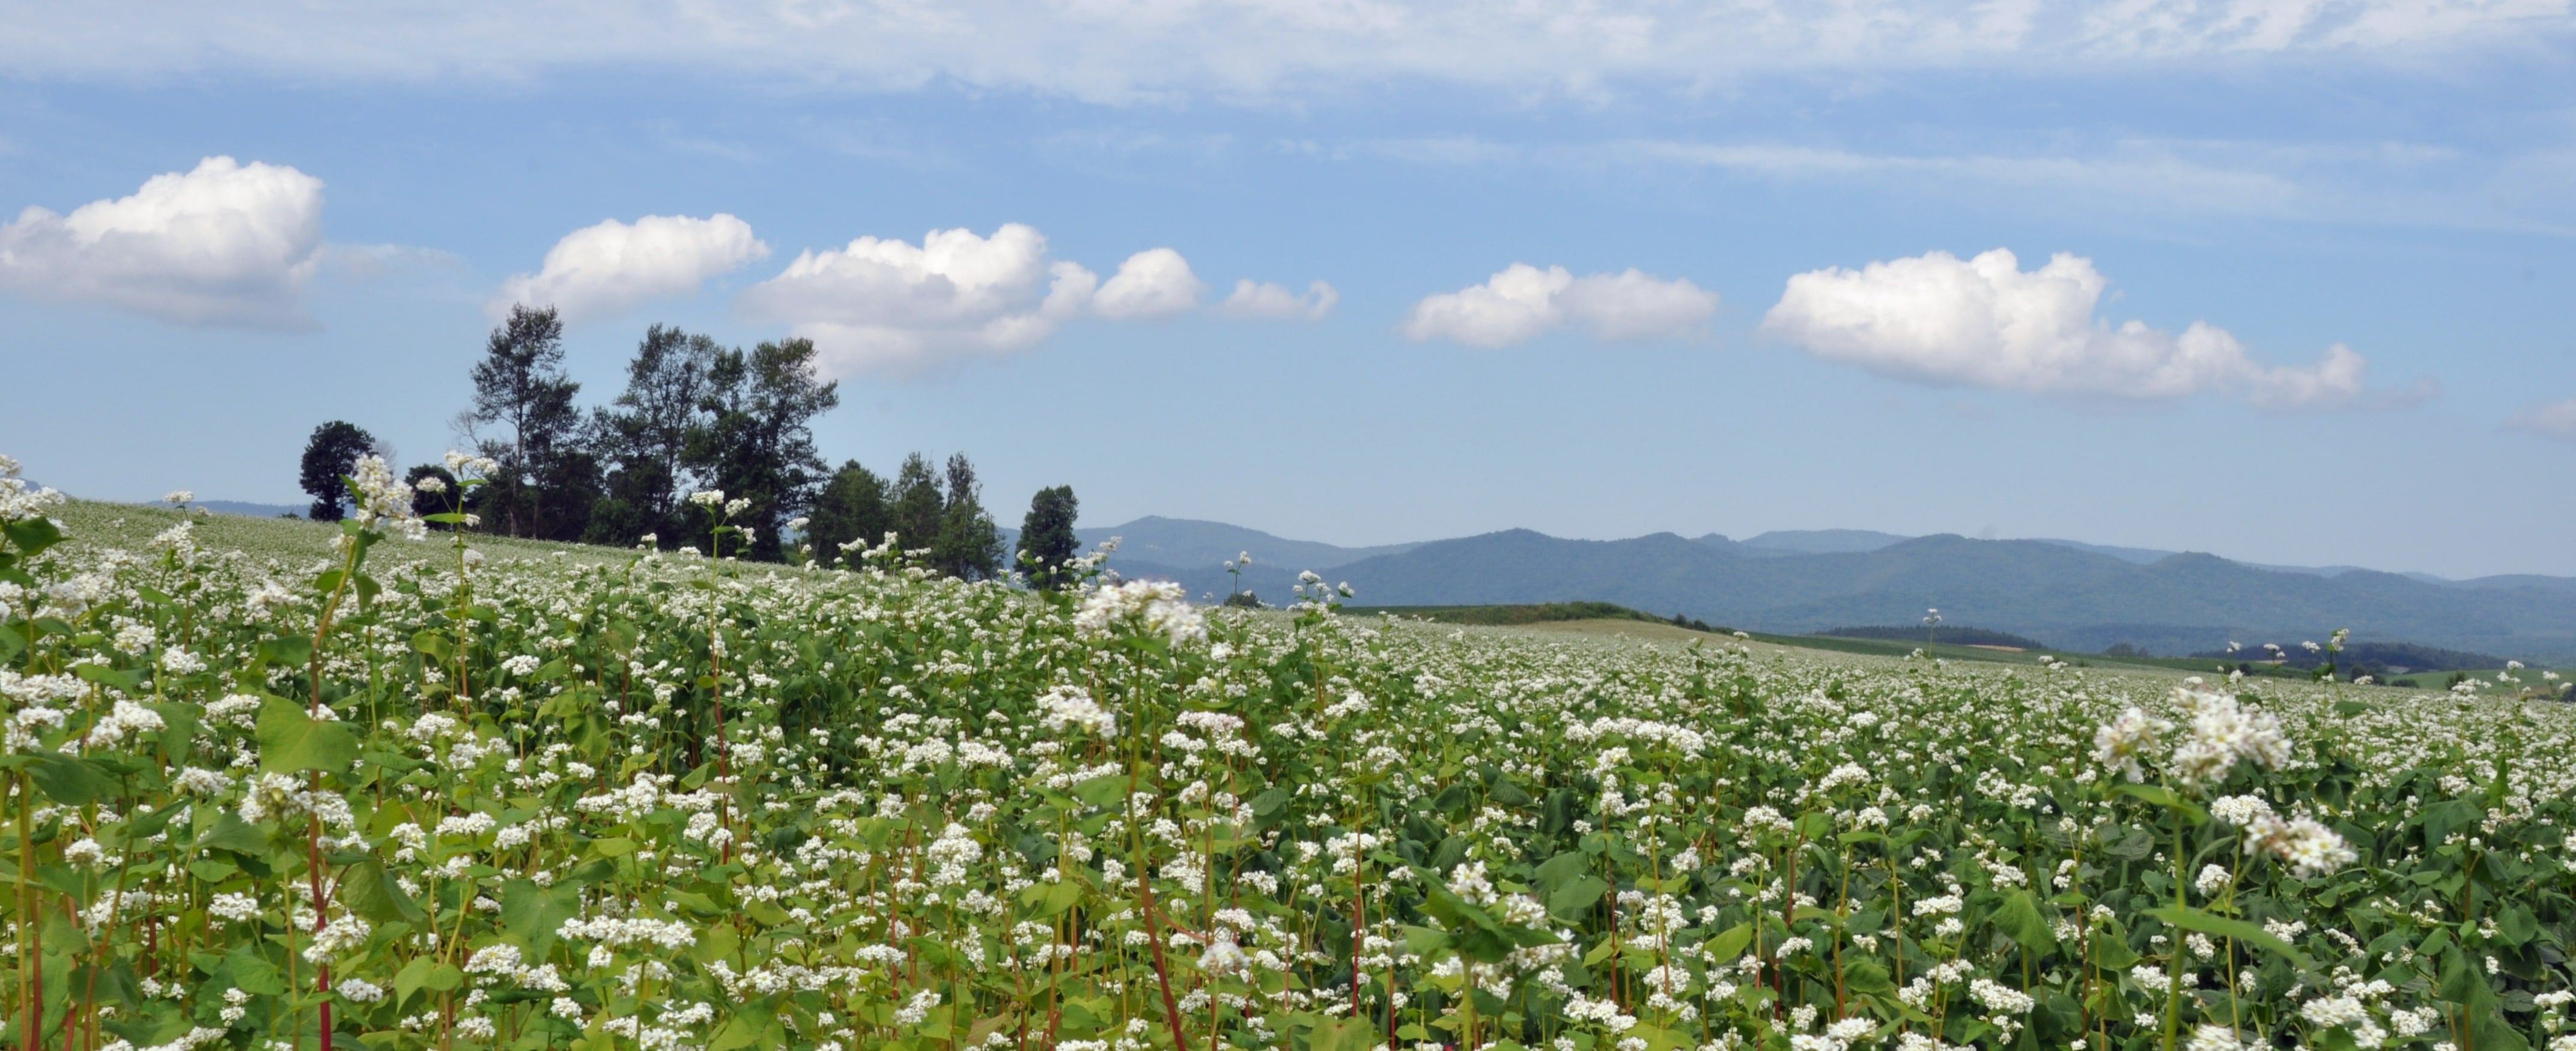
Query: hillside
{"points": [[2062, 594]]}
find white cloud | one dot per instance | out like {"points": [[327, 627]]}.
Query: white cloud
{"points": [[2548, 419], [893, 307], [226, 243], [1156, 282], [605, 270], [1523, 302], [1264, 299], [1984, 322], [1122, 52]]}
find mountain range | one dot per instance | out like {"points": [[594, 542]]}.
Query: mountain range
{"points": [[2069, 594]]}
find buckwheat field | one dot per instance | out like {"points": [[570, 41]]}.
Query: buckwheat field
{"points": [[387, 788]]}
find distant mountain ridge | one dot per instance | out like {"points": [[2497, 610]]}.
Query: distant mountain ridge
{"points": [[2071, 595]]}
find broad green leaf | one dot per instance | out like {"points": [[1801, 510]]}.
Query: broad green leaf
{"points": [[1572, 898], [253, 973], [236, 835], [1342, 1034], [411, 978], [69, 781], [292, 651], [2019, 919], [368, 890], [1729, 943], [531, 914], [1108, 792], [1557, 871], [291, 741]]}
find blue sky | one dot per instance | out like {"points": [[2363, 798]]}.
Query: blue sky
{"points": [[1815, 334]]}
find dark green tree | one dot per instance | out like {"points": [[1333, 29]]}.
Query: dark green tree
{"points": [[968, 547], [328, 455], [520, 388], [1047, 540], [642, 440], [853, 508], [918, 505], [756, 439]]}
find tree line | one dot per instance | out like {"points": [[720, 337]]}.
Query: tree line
{"points": [[695, 415]]}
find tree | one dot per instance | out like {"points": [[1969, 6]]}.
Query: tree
{"points": [[756, 439], [428, 502], [968, 547], [328, 455], [521, 386], [1047, 540], [643, 438], [852, 508], [918, 506]]}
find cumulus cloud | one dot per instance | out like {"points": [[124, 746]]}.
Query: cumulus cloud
{"points": [[1156, 282], [2548, 419], [608, 269], [1985, 322], [1264, 299], [1524, 302], [890, 306], [223, 244]]}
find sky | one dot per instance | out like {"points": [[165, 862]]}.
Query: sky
{"points": [[2283, 281]]}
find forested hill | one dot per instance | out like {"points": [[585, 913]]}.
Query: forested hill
{"points": [[2061, 594]]}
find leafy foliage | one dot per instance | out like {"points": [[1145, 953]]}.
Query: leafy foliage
{"points": [[327, 456], [1047, 540]]}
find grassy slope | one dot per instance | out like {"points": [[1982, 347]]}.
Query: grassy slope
{"points": [[131, 526]]}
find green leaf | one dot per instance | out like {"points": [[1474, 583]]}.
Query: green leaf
{"points": [[368, 890], [1557, 871], [291, 741], [1108, 791], [2517, 925], [30, 535], [128, 679], [69, 781], [1866, 976], [2018, 917], [431, 643], [1342, 1034], [2192, 919], [292, 651], [2111, 951], [411, 978], [1577, 896], [2448, 816], [1423, 941], [531, 914], [719, 942], [236, 835], [1728, 944], [1270, 801], [253, 973]]}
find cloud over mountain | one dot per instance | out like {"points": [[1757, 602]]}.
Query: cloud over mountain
{"points": [[1985, 322]]}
